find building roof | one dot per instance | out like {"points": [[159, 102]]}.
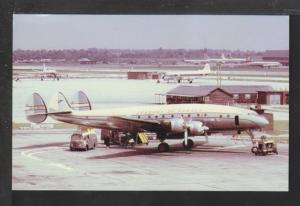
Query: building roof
{"points": [[276, 53], [204, 90]]}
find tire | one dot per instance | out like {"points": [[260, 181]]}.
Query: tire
{"points": [[254, 150], [163, 147], [189, 145]]}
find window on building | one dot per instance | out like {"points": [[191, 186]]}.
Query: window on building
{"points": [[235, 96], [247, 96]]}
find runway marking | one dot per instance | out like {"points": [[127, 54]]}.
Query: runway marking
{"points": [[30, 154], [61, 166]]}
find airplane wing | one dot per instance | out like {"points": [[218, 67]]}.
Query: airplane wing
{"points": [[150, 125]]}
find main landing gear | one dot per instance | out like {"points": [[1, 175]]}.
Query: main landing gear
{"points": [[189, 145]]}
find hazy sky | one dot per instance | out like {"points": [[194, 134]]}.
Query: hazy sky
{"points": [[150, 32]]}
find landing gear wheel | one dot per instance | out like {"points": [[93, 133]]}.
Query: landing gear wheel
{"points": [[157, 81], [254, 150], [190, 81], [163, 147], [178, 81], [190, 144]]}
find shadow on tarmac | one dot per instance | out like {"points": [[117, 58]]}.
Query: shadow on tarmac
{"points": [[153, 151]]}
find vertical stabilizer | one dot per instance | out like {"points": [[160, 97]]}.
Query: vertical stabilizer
{"points": [[206, 68]]}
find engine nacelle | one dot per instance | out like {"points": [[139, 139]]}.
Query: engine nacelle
{"points": [[177, 125], [196, 128]]}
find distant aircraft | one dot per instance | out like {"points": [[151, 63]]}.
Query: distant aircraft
{"points": [[48, 73], [222, 60], [186, 75], [262, 64], [173, 121]]}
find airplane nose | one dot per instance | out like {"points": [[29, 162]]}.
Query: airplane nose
{"points": [[262, 121]]}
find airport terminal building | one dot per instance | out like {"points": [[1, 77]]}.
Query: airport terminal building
{"points": [[226, 95]]}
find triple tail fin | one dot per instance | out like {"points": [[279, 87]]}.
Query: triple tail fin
{"points": [[36, 110]]}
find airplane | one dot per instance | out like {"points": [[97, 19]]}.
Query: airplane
{"points": [[222, 60], [48, 73], [172, 121], [186, 75], [262, 64]]}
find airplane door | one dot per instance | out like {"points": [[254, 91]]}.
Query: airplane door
{"points": [[236, 120]]}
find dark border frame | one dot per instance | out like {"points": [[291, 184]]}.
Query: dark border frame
{"points": [[8, 7]]}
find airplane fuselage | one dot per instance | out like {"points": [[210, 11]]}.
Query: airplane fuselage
{"points": [[215, 117]]}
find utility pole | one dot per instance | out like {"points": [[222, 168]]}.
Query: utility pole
{"points": [[219, 77]]}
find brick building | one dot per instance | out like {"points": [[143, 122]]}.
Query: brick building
{"points": [[207, 94]]}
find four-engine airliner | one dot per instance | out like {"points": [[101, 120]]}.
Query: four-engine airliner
{"points": [[186, 75], [173, 121]]}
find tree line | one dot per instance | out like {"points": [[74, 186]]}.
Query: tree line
{"points": [[113, 55]]}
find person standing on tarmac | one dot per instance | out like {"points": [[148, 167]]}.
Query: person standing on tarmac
{"points": [[106, 142]]}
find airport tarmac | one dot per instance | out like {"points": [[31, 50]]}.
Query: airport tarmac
{"points": [[42, 161]]}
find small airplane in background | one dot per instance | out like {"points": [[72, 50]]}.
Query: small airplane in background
{"points": [[186, 75], [172, 121], [236, 62], [262, 64], [48, 73], [222, 60]]}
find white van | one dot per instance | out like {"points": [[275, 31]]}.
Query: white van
{"points": [[83, 140]]}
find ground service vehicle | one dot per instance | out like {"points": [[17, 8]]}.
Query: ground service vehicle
{"points": [[264, 147], [83, 140]]}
